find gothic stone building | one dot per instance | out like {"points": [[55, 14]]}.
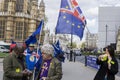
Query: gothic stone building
{"points": [[19, 18]]}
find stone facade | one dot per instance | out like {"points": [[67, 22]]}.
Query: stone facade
{"points": [[118, 42], [20, 18], [91, 40]]}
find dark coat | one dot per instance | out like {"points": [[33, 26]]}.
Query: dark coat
{"points": [[12, 67], [103, 70]]}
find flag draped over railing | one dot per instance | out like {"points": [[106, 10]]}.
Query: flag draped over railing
{"points": [[71, 19], [32, 38]]}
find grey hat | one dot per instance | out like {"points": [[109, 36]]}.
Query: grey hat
{"points": [[47, 49]]}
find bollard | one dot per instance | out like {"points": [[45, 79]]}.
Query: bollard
{"points": [[71, 58], [74, 57], [85, 60]]}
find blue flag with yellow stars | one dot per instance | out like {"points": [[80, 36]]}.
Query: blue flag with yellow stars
{"points": [[58, 53], [32, 38], [71, 19]]}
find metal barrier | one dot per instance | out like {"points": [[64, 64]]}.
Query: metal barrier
{"points": [[91, 61]]}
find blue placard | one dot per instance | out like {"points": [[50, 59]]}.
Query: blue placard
{"points": [[91, 61]]}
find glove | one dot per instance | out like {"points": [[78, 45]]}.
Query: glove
{"points": [[25, 73], [29, 72]]}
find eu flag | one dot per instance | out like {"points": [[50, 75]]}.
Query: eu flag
{"points": [[57, 44], [32, 38], [38, 29], [58, 53], [71, 19]]}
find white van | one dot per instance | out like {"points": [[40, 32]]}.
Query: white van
{"points": [[3, 49], [6, 45]]}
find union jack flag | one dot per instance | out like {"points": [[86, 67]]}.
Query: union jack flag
{"points": [[71, 19]]}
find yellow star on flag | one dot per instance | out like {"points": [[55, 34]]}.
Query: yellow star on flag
{"points": [[67, 21], [78, 26], [73, 24], [66, 7], [64, 17]]}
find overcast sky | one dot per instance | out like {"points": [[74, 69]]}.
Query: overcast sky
{"points": [[88, 7]]}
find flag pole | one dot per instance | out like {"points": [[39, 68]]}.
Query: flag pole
{"points": [[71, 48], [71, 51], [39, 37], [37, 50]]}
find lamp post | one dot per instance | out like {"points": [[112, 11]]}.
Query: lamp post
{"points": [[87, 40], [71, 51], [106, 35]]}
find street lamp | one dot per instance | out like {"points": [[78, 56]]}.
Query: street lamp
{"points": [[106, 35], [71, 51]]}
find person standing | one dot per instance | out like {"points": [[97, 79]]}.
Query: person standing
{"points": [[14, 65], [31, 58], [108, 65], [51, 68]]}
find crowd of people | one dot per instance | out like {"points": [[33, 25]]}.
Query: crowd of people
{"points": [[20, 64]]}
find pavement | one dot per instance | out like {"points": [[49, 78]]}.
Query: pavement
{"points": [[77, 71], [1, 60], [71, 71]]}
